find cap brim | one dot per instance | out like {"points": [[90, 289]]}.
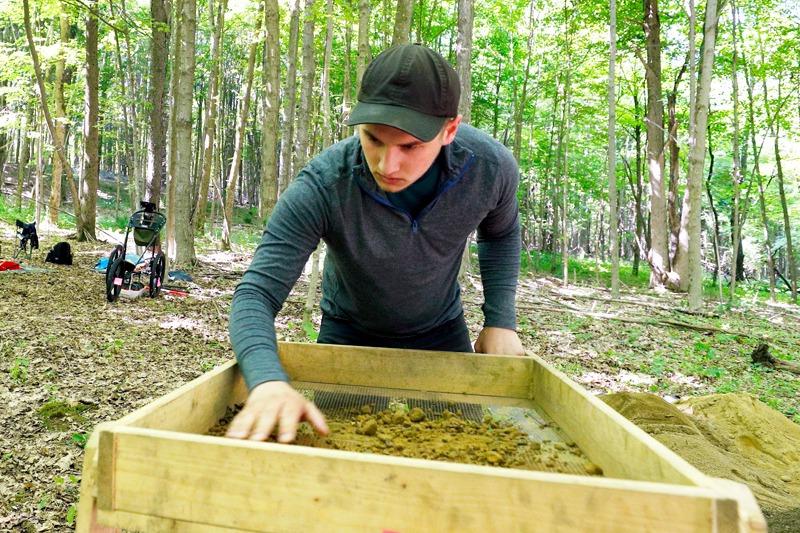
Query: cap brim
{"points": [[423, 127]]}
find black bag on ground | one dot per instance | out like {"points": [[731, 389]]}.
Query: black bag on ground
{"points": [[60, 254]]}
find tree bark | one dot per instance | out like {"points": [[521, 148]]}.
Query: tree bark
{"points": [[787, 226], [521, 103], [697, 155], [612, 152], [54, 203], [301, 145], [759, 179], [157, 142], [181, 250], [658, 253], [287, 142], [402, 22], [241, 122], [269, 130], [91, 132], [364, 54], [464, 70], [46, 111], [212, 108], [24, 155], [736, 172]]}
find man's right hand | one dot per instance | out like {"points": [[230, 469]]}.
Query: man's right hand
{"points": [[275, 403]]}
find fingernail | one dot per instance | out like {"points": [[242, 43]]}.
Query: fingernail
{"points": [[286, 437]]}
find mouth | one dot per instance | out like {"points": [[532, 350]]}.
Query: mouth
{"points": [[390, 181]]}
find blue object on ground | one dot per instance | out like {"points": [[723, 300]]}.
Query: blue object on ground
{"points": [[179, 275], [102, 263]]}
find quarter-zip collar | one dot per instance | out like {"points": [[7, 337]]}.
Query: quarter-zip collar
{"points": [[456, 160]]}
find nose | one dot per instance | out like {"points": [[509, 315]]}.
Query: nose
{"points": [[390, 160]]}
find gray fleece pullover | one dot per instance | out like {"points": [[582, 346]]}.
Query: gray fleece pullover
{"points": [[387, 272]]}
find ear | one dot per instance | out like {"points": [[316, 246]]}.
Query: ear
{"points": [[450, 129]]}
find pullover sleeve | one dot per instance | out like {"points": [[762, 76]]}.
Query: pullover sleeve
{"points": [[499, 252], [292, 233]]}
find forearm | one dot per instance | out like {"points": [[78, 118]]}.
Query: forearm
{"points": [[252, 334], [499, 267]]}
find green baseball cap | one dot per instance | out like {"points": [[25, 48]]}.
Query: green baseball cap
{"points": [[409, 87]]}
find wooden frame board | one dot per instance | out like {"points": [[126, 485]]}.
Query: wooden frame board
{"points": [[152, 471]]}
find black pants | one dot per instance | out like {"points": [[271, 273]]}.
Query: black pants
{"points": [[452, 336]]}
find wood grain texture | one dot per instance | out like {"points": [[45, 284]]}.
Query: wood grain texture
{"points": [[451, 372], [260, 486]]}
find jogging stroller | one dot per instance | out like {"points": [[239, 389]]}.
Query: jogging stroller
{"points": [[122, 273]]}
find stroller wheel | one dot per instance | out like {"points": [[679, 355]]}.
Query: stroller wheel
{"points": [[114, 278], [157, 274]]}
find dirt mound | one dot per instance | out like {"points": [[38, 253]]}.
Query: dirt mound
{"points": [[732, 436]]}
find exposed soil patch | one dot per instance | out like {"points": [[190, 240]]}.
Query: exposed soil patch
{"points": [[732, 436], [451, 437]]}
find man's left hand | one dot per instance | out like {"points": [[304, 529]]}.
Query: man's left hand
{"points": [[499, 341]]}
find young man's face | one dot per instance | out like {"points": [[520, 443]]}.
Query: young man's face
{"points": [[398, 159]]}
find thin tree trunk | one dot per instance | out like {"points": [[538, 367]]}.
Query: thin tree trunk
{"points": [[697, 155], [658, 253], [364, 54], [347, 83], [287, 142], [212, 108], [522, 101], [612, 152], [127, 117], [402, 22], [157, 142], [301, 146], [760, 181], [241, 122], [131, 164], [269, 130], [736, 172], [37, 187], [181, 249], [787, 226], [24, 155], [91, 132], [54, 203], [76, 200]]}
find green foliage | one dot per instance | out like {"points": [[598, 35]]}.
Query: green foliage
{"points": [[19, 369], [58, 414]]}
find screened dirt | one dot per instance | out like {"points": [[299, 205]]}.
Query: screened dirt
{"points": [[732, 436], [404, 432]]}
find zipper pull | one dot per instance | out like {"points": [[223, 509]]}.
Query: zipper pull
{"points": [[414, 226]]}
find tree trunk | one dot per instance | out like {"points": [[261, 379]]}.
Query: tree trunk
{"points": [[60, 120], [717, 259], [787, 226], [212, 108], [241, 122], [736, 172], [463, 68], [270, 124], [402, 22], [24, 155], [760, 181], [306, 89], [364, 54], [287, 142], [522, 101], [697, 155], [91, 132], [181, 249], [46, 111], [658, 253], [157, 143], [347, 83], [612, 152]]}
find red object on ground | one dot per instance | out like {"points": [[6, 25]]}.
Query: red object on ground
{"points": [[9, 265]]}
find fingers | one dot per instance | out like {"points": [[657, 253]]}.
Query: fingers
{"points": [[316, 418], [290, 416], [241, 424], [264, 424]]}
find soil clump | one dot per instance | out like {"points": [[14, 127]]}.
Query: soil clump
{"points": [[731, 436], [450, 437]]}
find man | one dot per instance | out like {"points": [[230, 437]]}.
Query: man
{"points": [[395, 205]]}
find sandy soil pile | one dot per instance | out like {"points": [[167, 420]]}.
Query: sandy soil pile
{"points": [[732, 436]]}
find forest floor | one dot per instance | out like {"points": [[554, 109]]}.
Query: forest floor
{"points": [[69, 360]]}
